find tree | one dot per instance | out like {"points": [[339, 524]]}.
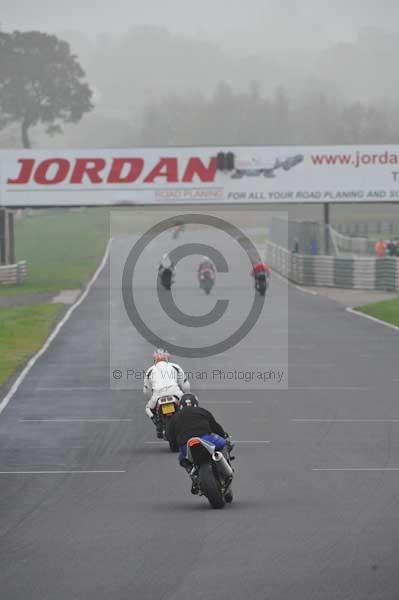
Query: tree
{"points": [[40, 82]]}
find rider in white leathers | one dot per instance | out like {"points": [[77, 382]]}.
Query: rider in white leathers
{"points": [[163, 379], [165, 263]]}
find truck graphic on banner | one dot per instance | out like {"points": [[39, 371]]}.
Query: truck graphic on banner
{"points": [[255, 167]]}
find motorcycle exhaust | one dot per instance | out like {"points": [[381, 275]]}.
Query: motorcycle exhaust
{"points": [[222, 465]]}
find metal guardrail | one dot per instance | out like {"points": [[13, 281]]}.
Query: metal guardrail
{"points": [[354, 272], [390, 227], [13, 274]]}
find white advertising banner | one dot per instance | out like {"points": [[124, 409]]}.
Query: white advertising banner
{"points": [[190, 175]]}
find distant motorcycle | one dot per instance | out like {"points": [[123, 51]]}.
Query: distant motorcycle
{"points": [[179, 228], [212, 471], [166, 277], [167, 406], [206, 280], [261, 284]]}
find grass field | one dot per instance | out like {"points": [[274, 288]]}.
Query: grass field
{"points": [[23, 330], [387, 310], [63, 248]]}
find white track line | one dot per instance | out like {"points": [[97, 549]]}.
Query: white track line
{"points": [[61, 420], [57, 472], [358, 469], [301, 365], [360, 314], [251, 441], [302, 289], [157, 443], [227, 402], [336, 388], [345, 420], [71, 389], [378, 354], [294, 285], [56, 331]]}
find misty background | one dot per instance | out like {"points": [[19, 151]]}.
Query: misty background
{"points": [[224, 71]]}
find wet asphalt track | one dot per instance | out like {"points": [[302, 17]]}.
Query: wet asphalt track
{"points": [[293, 532]]}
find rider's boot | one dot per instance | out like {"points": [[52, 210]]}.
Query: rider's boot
{"points": [[159, 427], [192, 471], [194, 481]]}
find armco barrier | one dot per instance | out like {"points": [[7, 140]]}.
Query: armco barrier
{"points": [[390, 227], [344, 272], [330, 271], [13, 274], [324, 270], [385, 274], [364, 274]]}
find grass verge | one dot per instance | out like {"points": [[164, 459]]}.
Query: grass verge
{"points": [[23, 331], [62, 247], [387, 310]]}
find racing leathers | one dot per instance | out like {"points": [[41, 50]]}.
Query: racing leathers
{"points": [[206, 265], [163, 379], [195, 422], [259, 268], [165, 263]]}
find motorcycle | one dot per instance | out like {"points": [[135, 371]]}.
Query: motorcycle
{"points": [[261, 283], [167, 406], [179, 228], [206, 280], [166, 277], [212, 471]]}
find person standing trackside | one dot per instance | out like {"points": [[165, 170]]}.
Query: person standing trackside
{"points": [[380, 249], [392, 248]]}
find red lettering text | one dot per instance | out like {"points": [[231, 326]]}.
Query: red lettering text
{"points": [[118, 172], [167, 167], [25, 173], [51, 171], [196, 167], [90, 167]]}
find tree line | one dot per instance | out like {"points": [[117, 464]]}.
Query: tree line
{"points": [[43, 84], [228, 118]]}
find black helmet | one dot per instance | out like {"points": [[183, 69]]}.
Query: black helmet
{"points": [[189, 400]]}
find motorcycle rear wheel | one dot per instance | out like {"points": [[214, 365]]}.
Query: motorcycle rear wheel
{"points": [[209, 486], [228, 497], [172, 444]]}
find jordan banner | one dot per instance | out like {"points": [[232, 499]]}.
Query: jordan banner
{"points": [[186, 175]]}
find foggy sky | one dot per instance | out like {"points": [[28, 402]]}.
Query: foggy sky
{"points": [[336, 19]]}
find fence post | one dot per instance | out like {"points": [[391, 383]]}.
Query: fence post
{"points": [[11, 238], [326, 211], [3, 236]]}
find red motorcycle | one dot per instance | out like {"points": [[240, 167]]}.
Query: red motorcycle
{"points": [[179, 228]]}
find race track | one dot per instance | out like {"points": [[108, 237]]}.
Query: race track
{"points": [[93, 508]]}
